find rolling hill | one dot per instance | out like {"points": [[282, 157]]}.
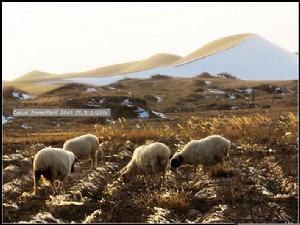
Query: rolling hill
{"points": [[34, 75], [157, 60]]}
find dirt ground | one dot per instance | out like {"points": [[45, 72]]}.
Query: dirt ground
{"points": [[256, 185]]}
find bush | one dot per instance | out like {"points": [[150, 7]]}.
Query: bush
{"points": [[227, 76]]}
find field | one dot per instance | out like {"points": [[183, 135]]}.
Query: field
{"points": [[258, 182]]}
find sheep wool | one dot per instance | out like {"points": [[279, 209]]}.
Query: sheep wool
{"points": [[149, 159], [208, 152], [84, 147], [54, 164]]}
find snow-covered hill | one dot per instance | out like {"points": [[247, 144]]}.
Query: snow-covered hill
{"points": [[254, 58]]}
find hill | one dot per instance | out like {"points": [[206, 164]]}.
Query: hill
{"points": [[154, 61], [246, 56], [158, 60], [34, 75], [215, 47]]}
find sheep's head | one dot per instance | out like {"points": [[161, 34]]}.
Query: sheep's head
{"points": [[125, 174], [128, 171], [73, 165], [176, 160]]}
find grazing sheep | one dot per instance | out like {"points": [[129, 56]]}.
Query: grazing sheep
{"points": [[209, 152], [84, 147], [54, 164], [151, 159]]}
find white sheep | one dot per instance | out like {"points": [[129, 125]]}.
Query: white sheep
{"points": [[84, 147], [209, 152], [151, 159], [54, 164]]}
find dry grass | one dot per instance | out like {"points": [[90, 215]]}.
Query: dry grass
{"points": [[177, 201], [255, 129]]}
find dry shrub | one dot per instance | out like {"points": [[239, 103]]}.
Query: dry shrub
{"points": [[178, 202], [257, 128]]}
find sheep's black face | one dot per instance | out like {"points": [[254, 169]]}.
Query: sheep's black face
{"points": [[176, 162], [73, 167]]}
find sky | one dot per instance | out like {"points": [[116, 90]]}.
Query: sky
{"points": [[72, 37]]}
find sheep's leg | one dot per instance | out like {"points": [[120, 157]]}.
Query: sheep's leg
{"points": [[94, 160], [163, 179], [156, 179], [36, 178], [52, 181], [61, 183], [92, 163], [222, 164]]}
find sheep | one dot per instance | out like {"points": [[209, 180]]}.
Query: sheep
{"points": [[151, 159], [54, 164], [84, 147], [209, 152]]}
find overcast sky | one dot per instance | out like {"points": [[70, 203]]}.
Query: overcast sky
{"points": [[73, 37]]}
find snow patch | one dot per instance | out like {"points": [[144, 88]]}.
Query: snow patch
{"points": [[142, 113], [127, 102], [21, 95], [26, 126], [247, 90], [94, 103], [90, 90], [6, 119], [234, 107], [161, 115], [232, 97], [215, 91], [208, 82], [159, 98]]}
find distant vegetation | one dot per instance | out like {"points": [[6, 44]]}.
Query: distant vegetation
{"points": [[158, 76], [228, 76]]}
